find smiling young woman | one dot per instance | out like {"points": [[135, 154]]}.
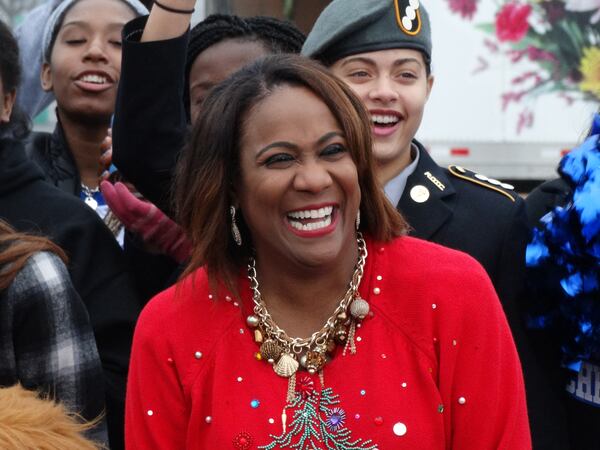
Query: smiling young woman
{"points": [[383, 50], [297, 325], [82, 66]]}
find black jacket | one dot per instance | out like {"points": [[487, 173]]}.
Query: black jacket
{"points": [[51, 153], [150, 272], [489, 223], [96, 264], [545, 198]]}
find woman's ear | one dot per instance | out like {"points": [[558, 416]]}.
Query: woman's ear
{"points": [[46, 78], [430, 81], [8, 101]]}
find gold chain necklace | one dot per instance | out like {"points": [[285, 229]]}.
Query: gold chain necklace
{"points": [[288, 354]]}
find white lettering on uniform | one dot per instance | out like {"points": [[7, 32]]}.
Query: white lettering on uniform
{"points": [[586, 385]]}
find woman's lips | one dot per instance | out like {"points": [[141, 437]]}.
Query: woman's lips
{"points": [[384, 131], [385, 122], [93, 81], [93, 87]]}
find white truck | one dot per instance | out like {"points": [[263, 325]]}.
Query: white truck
{"points": [[476, 116]]}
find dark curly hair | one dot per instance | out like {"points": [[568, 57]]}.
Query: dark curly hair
{"points": [[277, 36], [10, 74]]}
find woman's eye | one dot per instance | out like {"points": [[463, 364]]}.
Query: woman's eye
{"points": [[116, 43], [408, 75], [359, 74], [280, 158], [75, 41], [333, 149]]}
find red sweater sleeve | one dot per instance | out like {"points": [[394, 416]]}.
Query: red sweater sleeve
{"points": [[156, 415], [480, 375]]}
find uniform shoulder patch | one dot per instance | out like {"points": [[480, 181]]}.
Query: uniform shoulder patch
{"points": [[505, 189]]}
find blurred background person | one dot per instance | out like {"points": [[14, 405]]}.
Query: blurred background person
{"points": [[563, 259], [167, 72], [46, 340], [82, 59]]}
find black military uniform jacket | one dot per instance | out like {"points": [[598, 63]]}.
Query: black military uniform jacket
{"points": [[463, 210]]}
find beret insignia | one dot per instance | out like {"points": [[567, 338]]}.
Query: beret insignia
{"points": [[408, 16]]}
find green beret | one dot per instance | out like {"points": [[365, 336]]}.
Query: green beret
{"points": [[348, 27]]}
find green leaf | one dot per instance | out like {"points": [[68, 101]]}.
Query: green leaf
{"points": [[487, 27]]}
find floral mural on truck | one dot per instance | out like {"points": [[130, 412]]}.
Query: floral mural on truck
{"points": [[556, 42]]}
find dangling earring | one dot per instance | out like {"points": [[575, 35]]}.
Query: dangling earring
{"points": [[358, 220], [235, 231]]}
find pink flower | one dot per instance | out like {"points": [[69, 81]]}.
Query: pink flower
{"points": [[512, 22], [466, 8]]}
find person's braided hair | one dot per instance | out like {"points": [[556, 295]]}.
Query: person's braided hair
{"points": [[277, 36]]}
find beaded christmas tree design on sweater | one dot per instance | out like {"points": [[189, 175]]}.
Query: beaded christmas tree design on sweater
{"points": [[318, 423]]}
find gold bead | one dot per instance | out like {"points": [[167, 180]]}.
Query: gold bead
{"points": [[258, 356], [270, 351], [314, 361]]}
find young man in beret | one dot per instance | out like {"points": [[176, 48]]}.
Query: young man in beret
{"points": [[382, 50]]}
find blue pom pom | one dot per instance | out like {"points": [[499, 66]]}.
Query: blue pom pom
{"points": [[564, 258]]}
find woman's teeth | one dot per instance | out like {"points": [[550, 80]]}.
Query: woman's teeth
{"points": [[323, 213], [96, 79], [379, 119], [312, 225], [312, 213]]}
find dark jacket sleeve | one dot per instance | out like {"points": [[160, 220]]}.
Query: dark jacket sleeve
{"points": [[150, 121]]}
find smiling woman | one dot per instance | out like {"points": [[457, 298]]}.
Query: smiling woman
{"points": [[300, 323], [82, 66]]}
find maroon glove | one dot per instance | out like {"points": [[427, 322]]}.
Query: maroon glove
{"points": [[145, 219]]}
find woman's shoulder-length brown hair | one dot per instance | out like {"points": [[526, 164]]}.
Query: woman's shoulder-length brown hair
{"points": [[209, 166]]}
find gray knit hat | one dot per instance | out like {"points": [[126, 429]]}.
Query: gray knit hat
{"points": [[348, 27], [58, 15]]}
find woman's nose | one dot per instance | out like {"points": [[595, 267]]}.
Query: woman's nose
{"points": [[384, 90], [312, 177], [96, 51]]}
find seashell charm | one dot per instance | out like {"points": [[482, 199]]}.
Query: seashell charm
{"points": [[286, 366], [359, 308], [270, 351]]}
